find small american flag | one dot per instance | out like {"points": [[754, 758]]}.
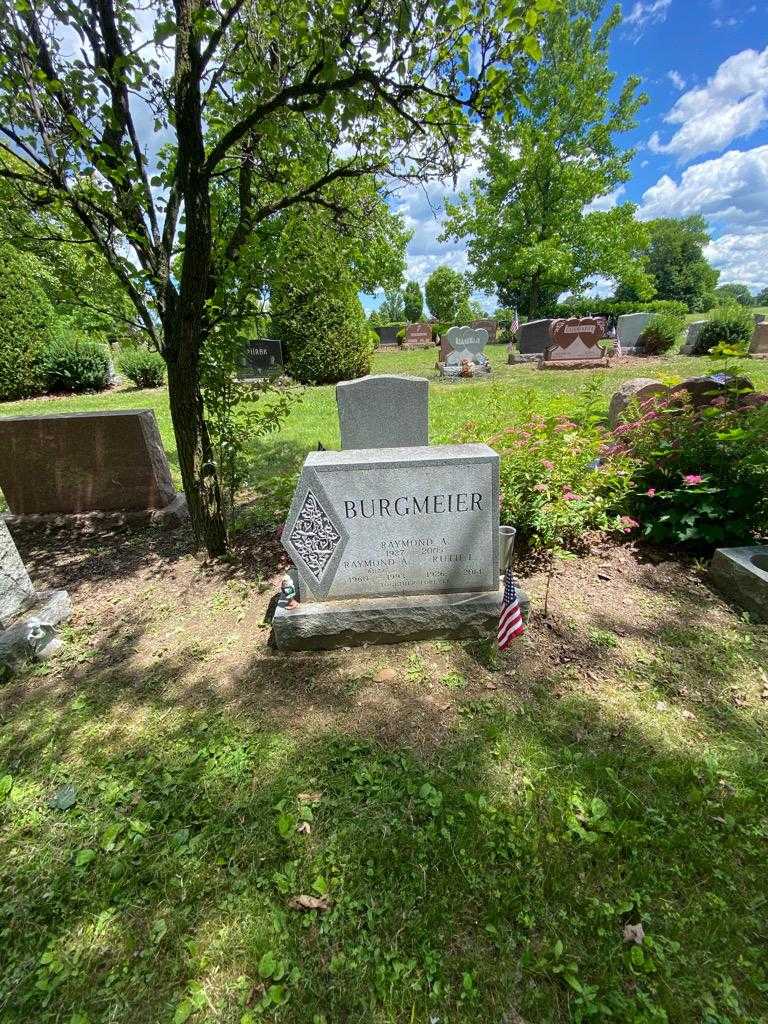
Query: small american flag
{"points": [[515, 325], [511, 618]]}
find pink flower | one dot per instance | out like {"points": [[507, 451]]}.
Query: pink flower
{"points": [[547, 464], [692, 479], [568, 495], [651, 492], [624, 428], [628, 524], [541, 488], [561, 428]]}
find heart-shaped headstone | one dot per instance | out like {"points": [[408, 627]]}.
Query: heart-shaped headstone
{"points": [[465, 343]]}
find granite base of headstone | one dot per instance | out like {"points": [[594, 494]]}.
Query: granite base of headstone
{"points": [[629, 329], [93, 464], [393, 544], [758, 347], [383, 411], [28, 617], [462, 351], [742, 575]]}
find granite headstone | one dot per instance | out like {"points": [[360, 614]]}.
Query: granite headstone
{"points": [[69, 463], [629, 328], [533, 337], [418, 335], [262, 358], [575, 339], [489, 325], [759, 344], [383, 411], [16, 588], [691, 337]]}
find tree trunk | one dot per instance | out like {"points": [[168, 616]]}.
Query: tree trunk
{"points": [[198, 468]]}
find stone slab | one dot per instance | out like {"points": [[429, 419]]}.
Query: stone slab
{"points": [[418, 335], [262, 358], [33, 634], [639, 389], [388, 620], [574, 364], [742, 575], [395, 521], [383, 411], [16, 590], [492, 326], [691, 337], [80, 462], [170, 517], [533, 337], [629, 327], [759, 344]]}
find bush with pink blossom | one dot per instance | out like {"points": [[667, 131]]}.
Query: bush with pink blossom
{"points": [[699, 475]]}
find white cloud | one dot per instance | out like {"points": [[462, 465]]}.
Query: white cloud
{"points": [[741, 258], [731, 191], [606, 202], [732, 188], [644, 14], [733, 104], [676, 79], [725, 22]]}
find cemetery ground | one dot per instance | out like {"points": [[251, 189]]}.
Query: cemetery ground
{"points": [[196, 827]]}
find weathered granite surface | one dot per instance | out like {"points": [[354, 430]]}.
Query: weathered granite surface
{"points": [[395, 521], [742, 575], [691, 336], [533, 337], [385, 620], [78, 462], [629, 327], [383, 411], [640, 389], [464, 343], [33, 633], [759, 344], [16, 590]]}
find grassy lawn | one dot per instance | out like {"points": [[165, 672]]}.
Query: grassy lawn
{"points": [[277, 459]]}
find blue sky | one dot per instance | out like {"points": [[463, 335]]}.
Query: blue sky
{"points": [[702, 140]]}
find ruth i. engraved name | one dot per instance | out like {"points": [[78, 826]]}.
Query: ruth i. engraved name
{"points": [[411, 505]]}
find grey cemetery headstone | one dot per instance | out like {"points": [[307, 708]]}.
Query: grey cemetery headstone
{"points": [[532, 340], [383, 411], [262, 358], [759, 318], [464, 345], [691, 337], [387, 335], [28, 618], [629, 328], [391, 545], [759, 344]]}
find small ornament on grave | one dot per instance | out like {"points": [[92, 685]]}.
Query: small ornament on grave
{"points": [[288, 593], [467, 368]]}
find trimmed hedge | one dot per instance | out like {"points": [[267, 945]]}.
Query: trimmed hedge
{"points": [[72, 365], [730, 325], [611, 308], [26, 319], [144, 368]]}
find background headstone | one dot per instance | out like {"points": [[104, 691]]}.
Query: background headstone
{"points": [[80, 462], [398, 522], [387, 335], [759, 318], [383, 411], [533, 337], [16, 588], [487, 324], [575, 338], [691, 336], [465, 343], [629, 328], [759, 344], [703, 389], [262, 358], [418, 335]]}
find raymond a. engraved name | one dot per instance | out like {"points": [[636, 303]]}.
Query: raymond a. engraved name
{"points": [[411, 505]]}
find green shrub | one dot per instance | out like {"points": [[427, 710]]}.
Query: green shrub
{"points": [[505, 336], [26, 318], [731, 326], [552, 489], [146, 369], [661, 333], [400, 336], [699, 476], [72, 365]]}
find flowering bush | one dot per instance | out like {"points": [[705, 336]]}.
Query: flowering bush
{"points": [[699, 476], [553, 488]]}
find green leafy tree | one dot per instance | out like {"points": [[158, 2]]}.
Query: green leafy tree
{"points": [[675, 259], [392, 308], [26, 321], [527, 218], [761, 299], [734, 293], [413, 302], [446, 290], [235, 86]]}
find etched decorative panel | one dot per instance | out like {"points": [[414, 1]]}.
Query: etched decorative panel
{"points": [[313, 536]]}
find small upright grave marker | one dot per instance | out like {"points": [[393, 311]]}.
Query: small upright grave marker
{"points": [[462, 351], [759, 344], [383, 411]]}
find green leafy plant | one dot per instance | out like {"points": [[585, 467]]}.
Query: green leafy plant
{"points": [[662, 332], [699, 475], [26, 318], [70, 364], [731, 326], [146, 369]]}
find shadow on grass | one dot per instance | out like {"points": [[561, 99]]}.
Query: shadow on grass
{"points": [[480, 861]]}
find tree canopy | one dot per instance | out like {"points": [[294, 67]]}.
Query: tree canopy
{"points": [[446, 290], [675, 259], [527, 218], [738, 293], [413, 302]]}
